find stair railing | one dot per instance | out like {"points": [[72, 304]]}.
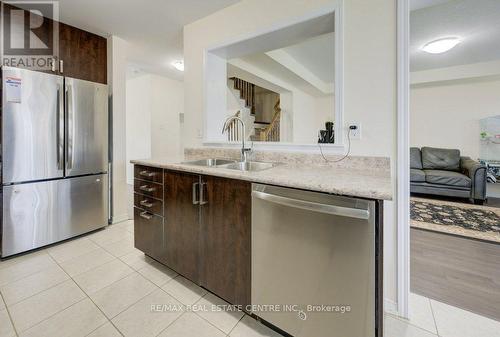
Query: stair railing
{"points": [[247, 92], [272, 132]]}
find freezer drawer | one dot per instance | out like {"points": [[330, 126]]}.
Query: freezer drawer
{"points": [[313, 256], [32, 126], [86, 142], [38, 214]]}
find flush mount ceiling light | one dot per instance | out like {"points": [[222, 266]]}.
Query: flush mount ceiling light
{"points": [[179, 65], [442, 45]]}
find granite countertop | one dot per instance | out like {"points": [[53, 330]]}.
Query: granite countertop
{"points": [[365, 183]]}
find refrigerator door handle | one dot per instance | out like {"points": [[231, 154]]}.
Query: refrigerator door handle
{"points": [[69, 127], [60, 130]]}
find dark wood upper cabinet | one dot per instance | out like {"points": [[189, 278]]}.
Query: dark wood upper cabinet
{"points": [[182, 224], [84, 54], [226, 238]]}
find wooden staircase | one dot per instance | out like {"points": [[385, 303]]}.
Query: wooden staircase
{"points": [[272, 132], [247, 92]]}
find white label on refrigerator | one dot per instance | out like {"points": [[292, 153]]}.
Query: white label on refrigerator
{"points": [[13, 89]]}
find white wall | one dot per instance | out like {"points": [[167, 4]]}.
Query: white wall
{"points": [[117, 72], [153, 124], [307, 119], [138, 121], [369, 75], [448, 115], [167, 103]]}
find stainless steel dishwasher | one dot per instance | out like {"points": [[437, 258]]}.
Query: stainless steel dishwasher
{"points": [[313, 262]]}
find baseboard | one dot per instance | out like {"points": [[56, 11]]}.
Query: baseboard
{"points": [[391, 307], [120, 218]]}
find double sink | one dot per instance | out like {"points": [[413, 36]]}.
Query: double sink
{"points": [[246, 166]]}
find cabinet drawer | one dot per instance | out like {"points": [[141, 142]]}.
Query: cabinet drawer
{"points": [[146, 203], [148, 233], [148, 188], [148, 173]]}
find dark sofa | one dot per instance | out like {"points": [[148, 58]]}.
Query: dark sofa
{"points": [[444, 172]]}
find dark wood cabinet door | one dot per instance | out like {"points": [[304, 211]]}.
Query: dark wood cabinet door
{"points": [[226, 238], [84, 54], [148, 233], [182, 224]]}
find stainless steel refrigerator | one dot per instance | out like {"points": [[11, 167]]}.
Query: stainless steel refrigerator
{"points": [[54, 158]]}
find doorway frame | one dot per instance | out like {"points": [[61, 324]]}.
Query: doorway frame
{"points": [[403, 157]]}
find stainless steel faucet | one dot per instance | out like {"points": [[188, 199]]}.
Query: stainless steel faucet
{"points": [[244, 150]]}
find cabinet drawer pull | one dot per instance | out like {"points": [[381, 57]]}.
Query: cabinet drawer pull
{"points": [[146, 188], [147, 174], [146, 215], [146, 203]]}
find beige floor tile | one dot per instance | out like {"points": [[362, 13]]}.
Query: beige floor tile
{"points": [[6, 328], [2, 303], [20, 267], [157, 273], [71, 249], [137, 259], [86, 262], [121, 247], [455, 322], [224, 320], [78, 320], [421, 313], [126, 225], [120, 295], [249, 327], [39, 307], [184, 290], [102, 276], [17, 291], [395, 327], [106, 330], [109, 235], [141, 321], [191, 325], [8, 262]]}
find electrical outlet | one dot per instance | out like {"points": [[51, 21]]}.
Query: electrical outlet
{"points": [[355, 129]]}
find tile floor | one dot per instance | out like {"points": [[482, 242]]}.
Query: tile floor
{"points": [[100, 285], [429, 318]]}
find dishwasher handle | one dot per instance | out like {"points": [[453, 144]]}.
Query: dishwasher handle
{"points": [[313, 206]]}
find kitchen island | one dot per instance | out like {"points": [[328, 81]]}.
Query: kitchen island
{"points": [[200, 221]]}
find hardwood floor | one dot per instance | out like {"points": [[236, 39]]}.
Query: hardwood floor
{"points": [[461, 272]]}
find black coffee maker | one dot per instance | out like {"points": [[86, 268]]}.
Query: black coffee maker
{"points": [[327, 136]]}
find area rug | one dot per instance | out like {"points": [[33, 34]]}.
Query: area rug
{"points": [[473, 221]]}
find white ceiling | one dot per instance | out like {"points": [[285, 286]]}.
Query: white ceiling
{"points": [[317, 55], [308, 65], [477, 22], [153, 28]]}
